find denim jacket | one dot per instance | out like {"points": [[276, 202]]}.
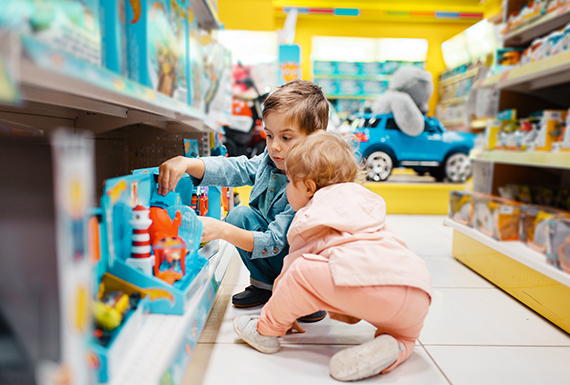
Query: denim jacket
{"points": [[241, 171]]}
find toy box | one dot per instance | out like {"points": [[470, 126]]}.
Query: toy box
{"points": [[345, 68], [179, 20], [370, 69], [461, 207], [109, 347], [559, 239], [175, 220], [350, 87], [113, 36], [373, 87], [71, 26], [195, 67], [550, 129], [155, 55], [324, 67], [534, 227], [497, 218]]}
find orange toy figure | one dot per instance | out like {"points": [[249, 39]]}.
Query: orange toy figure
{"points": [[162, 226], [170, 253]]}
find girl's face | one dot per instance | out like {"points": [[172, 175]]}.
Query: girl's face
{"points": [[298, 194], [280, 137]]}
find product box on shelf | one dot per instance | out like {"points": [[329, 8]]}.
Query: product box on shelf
{"points": [[179, 20], [195, 58], [113, 36], [496, 217], [71, 26], [461, 207], [534, 227], [324, 68], [349, 87], [345, 68], [155, 55], [119, 311], [559, 238], [135, 217], [550, 129]]}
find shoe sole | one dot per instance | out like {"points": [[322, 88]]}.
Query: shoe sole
{"points": [[253, 344], [248, 305], [310, 320], [365, 360]]}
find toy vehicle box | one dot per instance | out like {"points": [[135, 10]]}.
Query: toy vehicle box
{"points": [[120, 196], [496, 217]]}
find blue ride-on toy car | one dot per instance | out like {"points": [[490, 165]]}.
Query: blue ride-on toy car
{"points": [[383, 146]]}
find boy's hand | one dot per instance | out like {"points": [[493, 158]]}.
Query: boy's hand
{"points": [[213, 229], [295, 328], [169, 173]]}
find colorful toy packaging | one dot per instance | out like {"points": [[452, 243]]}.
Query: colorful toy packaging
{"points": [[195, 67], [113, 36], [559, 238], [461, 207], [534, 229], [497, 218], [71, 26], [550, 129], [155, 54]]}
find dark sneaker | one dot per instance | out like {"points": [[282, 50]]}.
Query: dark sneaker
{"points": [[251, 296], [315, 317]]}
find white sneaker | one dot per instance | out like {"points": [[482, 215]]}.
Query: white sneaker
{"points": [[365, 360], [245, 326]]}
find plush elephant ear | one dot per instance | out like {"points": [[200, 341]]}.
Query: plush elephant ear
{"points": [[406, 114]]}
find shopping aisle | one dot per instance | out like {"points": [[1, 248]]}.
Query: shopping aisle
{"points": [[474, 333]]}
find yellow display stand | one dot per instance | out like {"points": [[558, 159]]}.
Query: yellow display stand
{"points": [[523, 274]]}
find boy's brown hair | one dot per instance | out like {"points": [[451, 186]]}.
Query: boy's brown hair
{"points": [[303, 103], [324, 157]]}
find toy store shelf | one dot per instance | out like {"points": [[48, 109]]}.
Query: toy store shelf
{"points": [[458, 78], [479, 124], [207, 14], [530, 77], [538, 27], [519, 271], [526, 158], [56, 85], [163, 341]]}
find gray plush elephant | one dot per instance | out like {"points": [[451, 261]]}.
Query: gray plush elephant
{"points": [[407, 98]]}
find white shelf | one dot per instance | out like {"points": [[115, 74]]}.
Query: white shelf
{"points": [[56, 87], [163, 337], [515, 250], [538, 27]]}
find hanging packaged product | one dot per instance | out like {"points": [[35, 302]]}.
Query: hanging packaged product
{"points": [[71, 26], [156, 58], [550, 129]]}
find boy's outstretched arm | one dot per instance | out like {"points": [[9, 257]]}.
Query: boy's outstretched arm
{"points": [[170, 172], [216, 229]]}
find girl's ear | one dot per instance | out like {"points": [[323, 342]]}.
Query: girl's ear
{"points": [[311, 187]]}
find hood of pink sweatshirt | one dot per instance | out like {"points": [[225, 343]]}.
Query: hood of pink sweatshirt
{"points": [[345, 224]]}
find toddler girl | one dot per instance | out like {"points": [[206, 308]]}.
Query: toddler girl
{"points": [[344, 259]]}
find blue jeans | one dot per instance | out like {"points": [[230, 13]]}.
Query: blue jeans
{"points": [[262, 271]]}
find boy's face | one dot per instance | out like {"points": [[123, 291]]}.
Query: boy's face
{"points": [[298, 194], [280, 137]]}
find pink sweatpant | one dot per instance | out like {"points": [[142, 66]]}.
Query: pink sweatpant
{"points": [[308, 287]]}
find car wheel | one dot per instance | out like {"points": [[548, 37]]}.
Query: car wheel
{"points": [[378, 166], [457, 167]]}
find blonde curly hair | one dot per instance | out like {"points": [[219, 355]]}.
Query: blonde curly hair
{"points": [[324, 157]]}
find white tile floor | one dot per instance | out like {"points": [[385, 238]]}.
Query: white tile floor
{"points": [[474, 332]]}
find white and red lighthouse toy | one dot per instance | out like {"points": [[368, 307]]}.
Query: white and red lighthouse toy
{"points": [[140, 249]]}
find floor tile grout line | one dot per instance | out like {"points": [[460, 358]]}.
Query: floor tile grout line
{"points": [[435, 363]]}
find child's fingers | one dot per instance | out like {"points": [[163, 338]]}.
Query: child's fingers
{"points": [[295, 328]]}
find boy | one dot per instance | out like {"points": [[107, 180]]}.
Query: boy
{"points": [[259, 231]]}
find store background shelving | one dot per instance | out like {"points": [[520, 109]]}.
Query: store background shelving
{"points": [[543, 84]]}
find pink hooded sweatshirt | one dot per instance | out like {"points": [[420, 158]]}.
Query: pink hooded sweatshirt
{"points": [[345, 224]]}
